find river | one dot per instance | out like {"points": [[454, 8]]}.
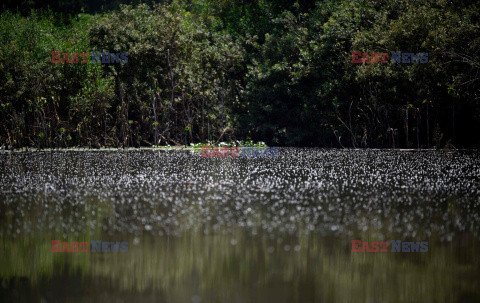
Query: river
{"points": [[239, 229]]}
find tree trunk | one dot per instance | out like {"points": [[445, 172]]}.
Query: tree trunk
{"points": [[350, 124], [428, 127], [418, 128], [223, 112], [172, 98], [406, 127], [393, 138], [453, 123], [203, 119], [154, 105], [105, 130]]}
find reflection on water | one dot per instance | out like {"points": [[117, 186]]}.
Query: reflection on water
{"points": [[240, 229]]}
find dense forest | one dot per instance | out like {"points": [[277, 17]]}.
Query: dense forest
{"points": [[221, 70]]}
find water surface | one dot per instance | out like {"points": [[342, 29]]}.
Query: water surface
{"points": [[263, 229]]}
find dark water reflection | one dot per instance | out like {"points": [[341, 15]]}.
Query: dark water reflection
{"points": [[240, 229]]}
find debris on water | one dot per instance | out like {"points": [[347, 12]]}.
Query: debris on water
{"points": [[329, 192]]}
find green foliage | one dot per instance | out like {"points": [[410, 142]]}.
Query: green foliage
{"points": [[36, 95], [302, 89], [177, 68], [278, 72]]}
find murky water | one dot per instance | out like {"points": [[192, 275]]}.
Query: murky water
{"points": [[270, 229]]}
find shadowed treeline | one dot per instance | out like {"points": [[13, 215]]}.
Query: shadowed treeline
{"points": [[278, 72]]}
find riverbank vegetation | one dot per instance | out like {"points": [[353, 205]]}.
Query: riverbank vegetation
{"points": [[278, 72]]}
